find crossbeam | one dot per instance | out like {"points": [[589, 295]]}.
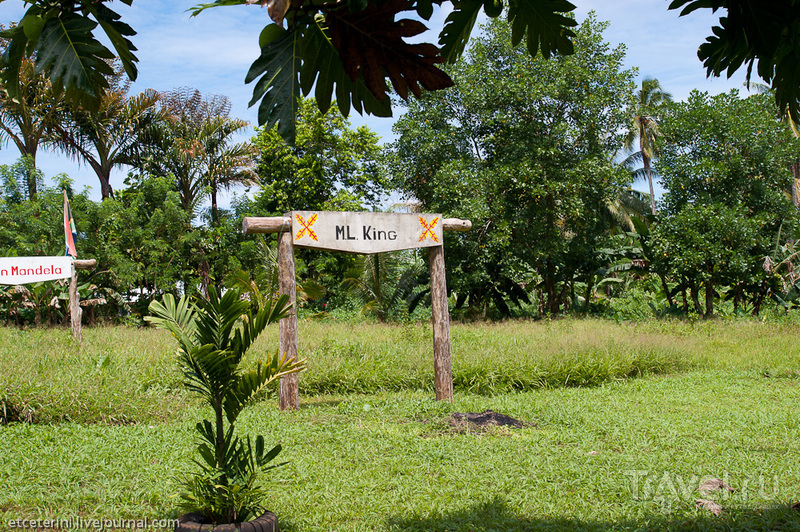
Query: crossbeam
{"points": [[276, 224]]}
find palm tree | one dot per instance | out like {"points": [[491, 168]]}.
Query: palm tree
{"points": [[27, 121], [624, 207], [644, 128], [213, 336], [195, 146], [227, 163], [110, 137]]}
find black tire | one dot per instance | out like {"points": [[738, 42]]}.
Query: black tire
{"points": [[266, 522]]}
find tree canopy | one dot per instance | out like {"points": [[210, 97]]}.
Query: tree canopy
{"points": [[523, 148], [349, 49]]}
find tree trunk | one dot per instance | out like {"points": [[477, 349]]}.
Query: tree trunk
{"points": [[31, 178], [709, 297], [214, 209], [105, 184], [550, 290], [693, 292], [646, 161], [683, 296], [760, 298], [589, 289], [665, 286]]}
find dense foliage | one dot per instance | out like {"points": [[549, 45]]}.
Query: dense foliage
{"points": [[527, 149], [353, 47], [523, 148], [725, 164]]}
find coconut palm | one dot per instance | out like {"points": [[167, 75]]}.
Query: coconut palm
{"points": [[195, 146], [624, 207], [109, 137], [644, 127], [27, 121]]}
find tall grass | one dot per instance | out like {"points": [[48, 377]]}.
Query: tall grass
{"points": [[487, 358], [126, 375], [118, 375]]}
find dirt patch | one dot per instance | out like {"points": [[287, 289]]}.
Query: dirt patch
{"points": [[486, 421]]}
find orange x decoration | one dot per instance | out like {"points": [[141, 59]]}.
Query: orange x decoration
{"points": [[428, 229], [306, 227]]}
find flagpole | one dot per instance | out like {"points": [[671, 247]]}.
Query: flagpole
{"points": [[75, 311]]}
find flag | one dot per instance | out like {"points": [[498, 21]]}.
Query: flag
{"points": [[70, 232]]}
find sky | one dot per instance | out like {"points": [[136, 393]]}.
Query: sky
{"points": [[213, 51]]}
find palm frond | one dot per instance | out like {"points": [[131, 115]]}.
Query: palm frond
{"points": [[250, 383], [177, 317]]}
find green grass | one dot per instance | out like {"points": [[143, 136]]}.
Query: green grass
{"points": [[710, 399]]}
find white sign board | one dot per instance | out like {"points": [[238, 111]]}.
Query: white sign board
{"points": [[24, 270], [365, 232]]}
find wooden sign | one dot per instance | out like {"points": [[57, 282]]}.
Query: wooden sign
{"points": [[362, 232], [365, 232], [24, 270]]}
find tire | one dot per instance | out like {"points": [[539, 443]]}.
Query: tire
{"points": [[193, 522]]}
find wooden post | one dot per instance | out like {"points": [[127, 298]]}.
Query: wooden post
{"points": [[442, 370], [289, 389], [74, 306], [290, 384], [75, 311]]}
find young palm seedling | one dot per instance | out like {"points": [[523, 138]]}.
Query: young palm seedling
{"points": [[213, 336]]}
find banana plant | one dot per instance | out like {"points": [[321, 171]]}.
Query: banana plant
{"points": [[213, 337]]}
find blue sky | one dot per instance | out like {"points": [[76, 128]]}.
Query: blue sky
{"points": [[213, 51]]}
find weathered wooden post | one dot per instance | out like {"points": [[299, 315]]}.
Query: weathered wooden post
{"points": [[289, 393], [362, 232], [290, 384], [75, 311], [442, 368]]}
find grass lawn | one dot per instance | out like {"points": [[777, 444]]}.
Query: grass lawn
{"points": [[625, 422]]}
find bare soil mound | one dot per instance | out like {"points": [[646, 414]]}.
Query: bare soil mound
{"points": [[486, 420]]}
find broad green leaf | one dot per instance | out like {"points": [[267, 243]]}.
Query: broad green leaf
{"points": [[425, 8], [279, 86], [270, 34], [694, 5], [357, 5], [458, 28], [322, 70], [544, 24], [12, 60], [117, 32], [73, 59]]}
